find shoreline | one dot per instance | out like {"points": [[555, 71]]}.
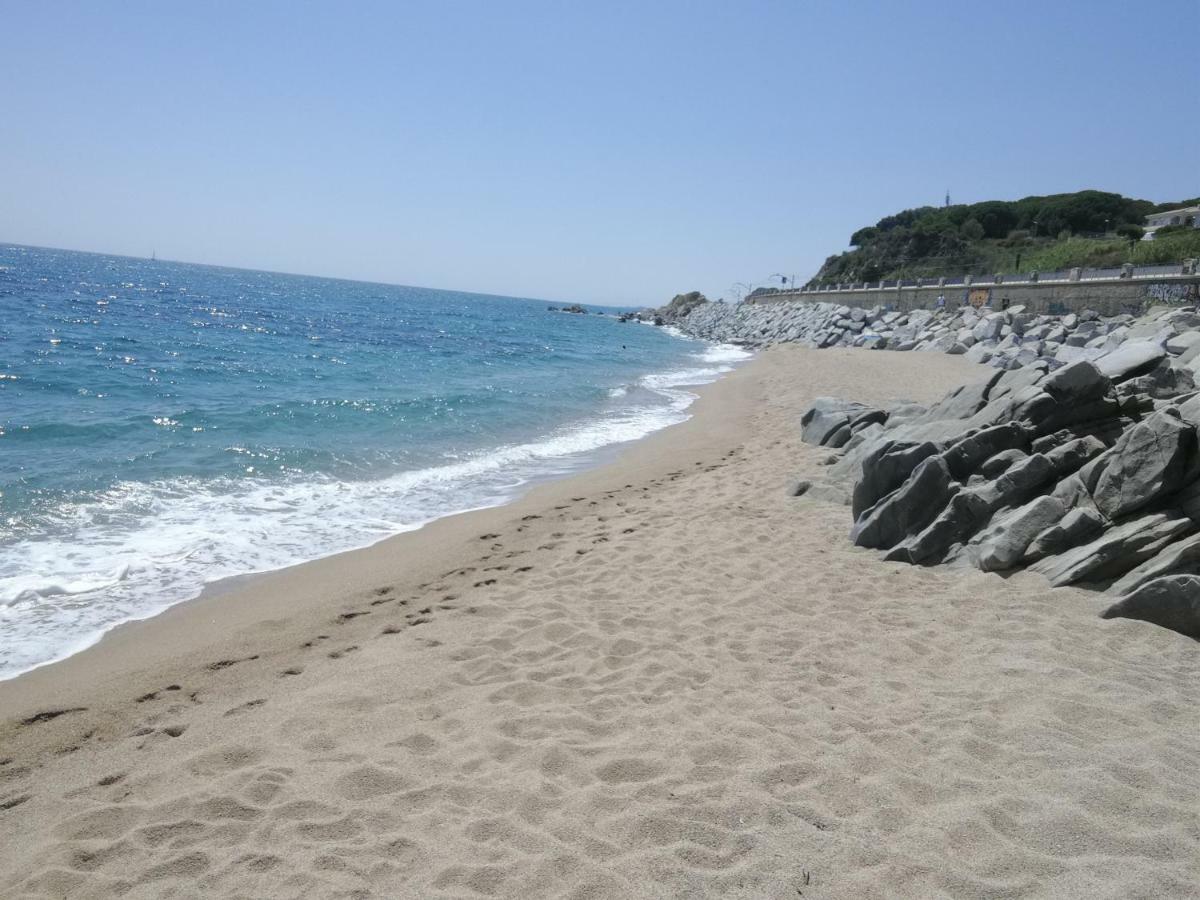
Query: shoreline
{"points": [[230, 590], [662, 677], [540, 470]]}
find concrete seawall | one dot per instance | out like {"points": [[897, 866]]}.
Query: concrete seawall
{"points": [[1107, 296]]}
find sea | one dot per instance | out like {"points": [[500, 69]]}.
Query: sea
{"points": [[165, 426]]}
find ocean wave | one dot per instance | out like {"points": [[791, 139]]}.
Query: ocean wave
{"points": [[144, 546]]}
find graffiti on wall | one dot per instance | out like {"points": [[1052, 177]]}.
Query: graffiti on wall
{"points": [[978, 297], [1173, 293]]}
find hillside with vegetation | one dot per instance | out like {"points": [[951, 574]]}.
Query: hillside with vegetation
{"points": [[1043, 234]]}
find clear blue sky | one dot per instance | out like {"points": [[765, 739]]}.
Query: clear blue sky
{"points": [[602, 152]]}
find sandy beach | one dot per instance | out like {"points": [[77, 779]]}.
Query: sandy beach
{"points": [[664, 677]]}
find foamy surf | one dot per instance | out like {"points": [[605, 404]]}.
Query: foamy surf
{"points": [[147, 546]]}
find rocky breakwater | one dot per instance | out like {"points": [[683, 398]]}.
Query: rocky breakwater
{"points": [[1088, 473], [1007, 339]]}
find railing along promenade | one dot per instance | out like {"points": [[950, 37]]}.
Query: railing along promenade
{"points": [[1110, 291]]}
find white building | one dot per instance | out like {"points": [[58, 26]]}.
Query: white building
{"points": [[1188, 215]]}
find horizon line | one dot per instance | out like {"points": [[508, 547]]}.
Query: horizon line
{"points": [[210, 265]]}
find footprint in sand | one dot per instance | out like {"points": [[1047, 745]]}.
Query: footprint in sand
{"points": [[245, 707], [226, 663], [50, 714], [154, 695], [12, 802]]}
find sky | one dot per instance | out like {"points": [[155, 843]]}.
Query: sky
{"points": [[602, 152]]}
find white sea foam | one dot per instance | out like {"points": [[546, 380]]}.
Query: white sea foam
{"points": [[144, 547]]}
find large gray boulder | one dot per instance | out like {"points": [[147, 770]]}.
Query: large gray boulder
{"points": [[966, 512], [1003, 543], [970, 509], [1182, 343], [1071, 456], [1116, 551], [886, 468], [1079, 382], [825, 417], [968, 454], [1107, 431], [989, 328], [1077, 526], [1179, 558], [1149, 460], [1018, 482], [907, 509], [1172, 602], [1017, 380], [1166, 380], [1047, 418], [1001, 462], [1132, 358]]}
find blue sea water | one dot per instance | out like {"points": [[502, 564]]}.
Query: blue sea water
{"points": [[165, 425]]}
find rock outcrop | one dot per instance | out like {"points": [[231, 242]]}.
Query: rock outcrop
{"points": [[1065, 470], [1172, 602]]}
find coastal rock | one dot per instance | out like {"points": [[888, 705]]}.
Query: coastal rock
{"points": [[1071, 456], [1116, 551], [1079, 382], [1076, 527], [885, 468], [970, 509], [1134, 357], [1179, 558], [967, 454], [1148, 461], [1002, 545], [1000, 462], [958, 520], [1172, 602], [822, 421], [907, 509]]}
